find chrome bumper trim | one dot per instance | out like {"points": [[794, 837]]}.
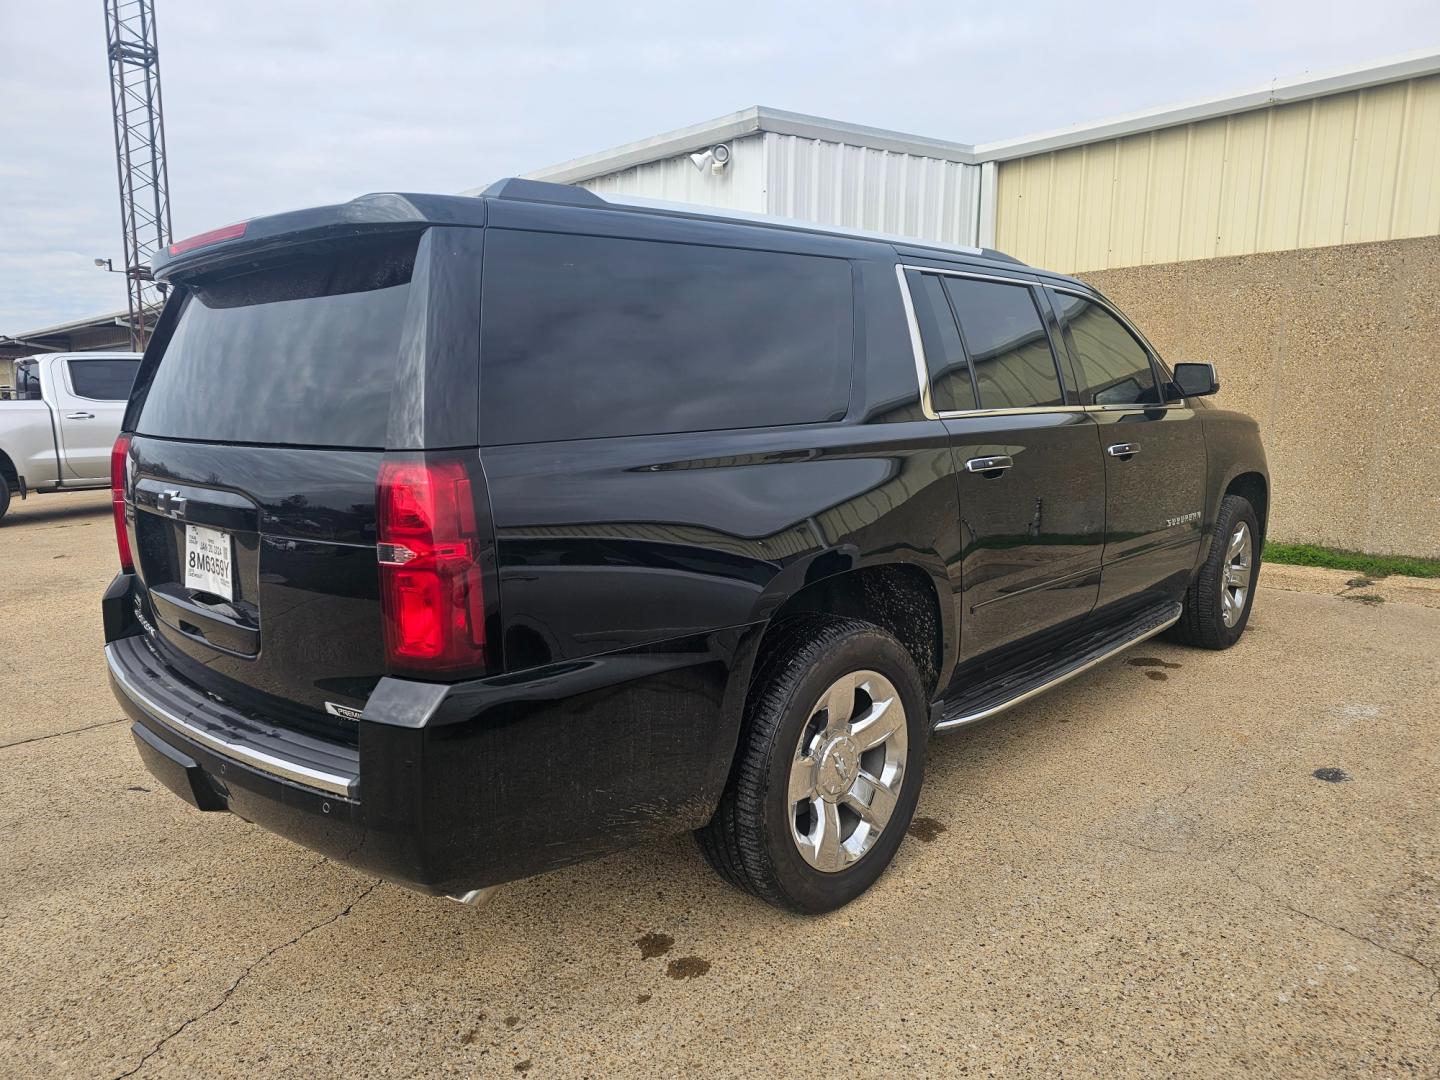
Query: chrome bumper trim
{"points": [[334, 783]]}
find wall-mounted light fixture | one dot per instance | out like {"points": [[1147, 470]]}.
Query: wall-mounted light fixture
{"points": [[715, 158]]}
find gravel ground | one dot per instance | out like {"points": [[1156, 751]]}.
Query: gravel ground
{"points": [[1137, 874]]}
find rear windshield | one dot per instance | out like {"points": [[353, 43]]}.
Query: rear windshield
{"points": [[303, 354]]}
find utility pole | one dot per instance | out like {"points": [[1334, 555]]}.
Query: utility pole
{"points": [[139, 154]]}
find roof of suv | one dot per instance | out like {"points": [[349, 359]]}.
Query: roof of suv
{"points": [[394, 211]]}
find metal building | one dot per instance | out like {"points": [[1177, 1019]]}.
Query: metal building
{"points": [[774, 162], [1349, 157], [1344, 157]]}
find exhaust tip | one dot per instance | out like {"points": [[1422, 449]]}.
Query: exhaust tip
{"points": [[474, 897]]}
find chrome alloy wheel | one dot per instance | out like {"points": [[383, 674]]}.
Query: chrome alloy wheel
{"points": [[848, 767], [1235, 587]]}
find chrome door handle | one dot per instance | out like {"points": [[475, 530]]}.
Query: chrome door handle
{"points": [[996, 464], [1123, 449], [79, 416]]}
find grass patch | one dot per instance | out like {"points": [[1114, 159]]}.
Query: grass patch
{"points": [[1336, 559]]}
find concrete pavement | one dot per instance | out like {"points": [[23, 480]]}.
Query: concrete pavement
{"points": [[1137, 874]]}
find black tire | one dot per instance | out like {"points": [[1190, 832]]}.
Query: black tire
{"points": [[1202, 623], [749, 841], [4, 496]]}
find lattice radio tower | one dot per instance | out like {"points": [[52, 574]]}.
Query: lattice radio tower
{"points": [[139, 153]]}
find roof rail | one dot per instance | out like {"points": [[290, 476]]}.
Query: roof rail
{"points": [[523, 190], [640, 202]]}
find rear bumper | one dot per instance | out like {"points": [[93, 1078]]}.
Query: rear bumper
{"points": [[460, 786], [137, 678]]}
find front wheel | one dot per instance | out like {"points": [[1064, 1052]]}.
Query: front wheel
{"points": [[829, 766], [1218, 602], [4, 496]]}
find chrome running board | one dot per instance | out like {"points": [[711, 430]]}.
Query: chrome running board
{"points": [[1005, 691]]}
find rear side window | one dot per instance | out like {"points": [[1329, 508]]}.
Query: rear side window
{"points": [[586, 337], [1114, 368], [304, 354], [102, 380], [950, 386], [1008, 345]]}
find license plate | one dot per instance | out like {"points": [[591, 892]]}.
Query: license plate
{"points": [[208, 562]]}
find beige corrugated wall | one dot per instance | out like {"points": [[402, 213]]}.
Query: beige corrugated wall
{"points": [[1348, 168], [1298, 247]]}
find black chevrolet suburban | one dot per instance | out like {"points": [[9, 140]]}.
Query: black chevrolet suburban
{"points": [[466, 538]]}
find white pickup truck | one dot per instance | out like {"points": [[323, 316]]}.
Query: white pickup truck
{"points": [[60, 422]]}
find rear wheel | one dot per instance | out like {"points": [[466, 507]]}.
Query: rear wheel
{"points": [[829, 767], [4, 496], [1217, 605]]}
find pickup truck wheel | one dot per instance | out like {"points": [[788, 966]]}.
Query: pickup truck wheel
{"points": [[4, 496], [828, 770], [1217, 604]]}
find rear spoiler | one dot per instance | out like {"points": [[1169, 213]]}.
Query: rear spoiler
{"points": [[261, 238]]}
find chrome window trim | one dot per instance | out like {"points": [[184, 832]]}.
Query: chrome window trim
{"points": [[917, 347], [295, 772], [1028, 281], [959, 414]]}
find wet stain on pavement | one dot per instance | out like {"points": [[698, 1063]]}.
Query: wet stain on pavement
{"points": [[654, 944], [925, 828], [1332, 776], [687, 967], [511, 1021], [1150, 661], [523, 1066], [640, 999], [1158, 676]]}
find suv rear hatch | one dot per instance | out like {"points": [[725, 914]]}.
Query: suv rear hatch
{"points": [[260, 427]]}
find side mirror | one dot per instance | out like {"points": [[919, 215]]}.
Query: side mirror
{"points": [[1195, 380]]}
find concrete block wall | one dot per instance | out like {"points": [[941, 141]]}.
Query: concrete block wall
{"points": [[1336, 351]]}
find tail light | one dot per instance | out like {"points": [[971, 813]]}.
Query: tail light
{"points": [[119, 456], [214, 236], [429, 547]]}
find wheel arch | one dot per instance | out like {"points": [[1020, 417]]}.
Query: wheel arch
{"points": [[902, 597], [1255, 489]]}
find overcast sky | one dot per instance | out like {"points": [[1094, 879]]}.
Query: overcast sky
{"points": [[271, 105]]}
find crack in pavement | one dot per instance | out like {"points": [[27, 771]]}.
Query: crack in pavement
{"points": [[1363, 938], [230, 990], [1210, 853], [57, 734]]}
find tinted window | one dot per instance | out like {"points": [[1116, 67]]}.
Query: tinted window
{"points": [[27, 380], [1114, 368], [104, 380], [1007, 343], [301, 355], [950, 385], [586, 336]]}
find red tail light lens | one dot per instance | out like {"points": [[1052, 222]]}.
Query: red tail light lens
{"points": [[118, 457], [431, 586], [214, 236]]}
